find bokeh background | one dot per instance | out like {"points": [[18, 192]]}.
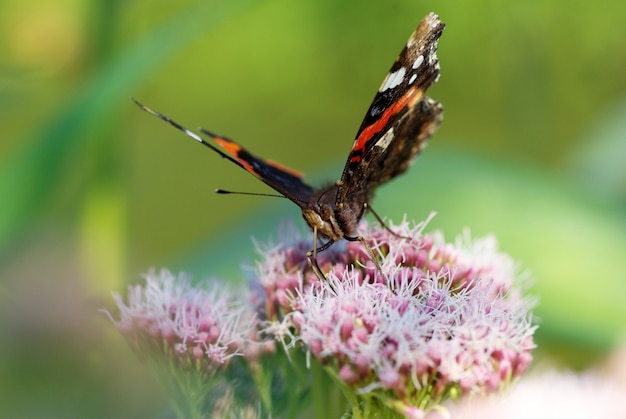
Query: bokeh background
{"points": [[93, 192]]}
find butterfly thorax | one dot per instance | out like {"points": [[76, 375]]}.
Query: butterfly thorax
{"points": [[332, 218]]}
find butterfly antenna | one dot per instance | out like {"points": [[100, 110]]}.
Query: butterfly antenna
{"points": [[187, 132], [225, 192]]}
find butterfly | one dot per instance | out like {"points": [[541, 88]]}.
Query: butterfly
{"points": [[395, 129]]}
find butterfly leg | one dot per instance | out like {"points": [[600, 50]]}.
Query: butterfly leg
{"points": [[370, 251], [311, 256], [382, 223]]}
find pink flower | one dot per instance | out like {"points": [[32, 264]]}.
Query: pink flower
{"points": [[195, 325], [438, 320]]}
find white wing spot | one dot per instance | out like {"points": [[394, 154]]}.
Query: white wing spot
{"points": [[393, 79], [412, 79], [418, 61], [385, 139], [193, 135]]}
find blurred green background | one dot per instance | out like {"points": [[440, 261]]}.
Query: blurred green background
{"points": [[93, 191]]}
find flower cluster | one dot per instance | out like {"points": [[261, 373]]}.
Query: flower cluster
{"points": [[400, 321], [200, 326], [434, 320]]}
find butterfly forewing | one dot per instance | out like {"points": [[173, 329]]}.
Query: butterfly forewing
{"points": [[390, 136], [407, 137], [282, 179]]}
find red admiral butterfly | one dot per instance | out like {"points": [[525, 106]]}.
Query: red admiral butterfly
{"points": [[395, 129]]}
